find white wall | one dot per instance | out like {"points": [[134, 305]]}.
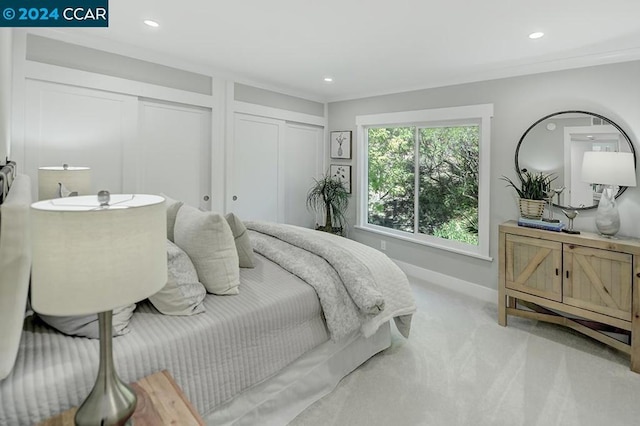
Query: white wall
{"points": [[609, 90], [5, 92]]}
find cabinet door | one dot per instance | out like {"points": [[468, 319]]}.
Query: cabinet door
{"points": [[533, 266], [598, 280]]}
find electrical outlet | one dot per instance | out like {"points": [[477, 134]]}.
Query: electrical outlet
{"points": [[383, 245]]}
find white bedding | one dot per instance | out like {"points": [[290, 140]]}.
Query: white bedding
{"points": [[376, 289], [237, 346], [238, 342]]}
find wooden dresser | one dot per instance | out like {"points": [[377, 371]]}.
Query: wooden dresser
{"points": [[586, 282]]}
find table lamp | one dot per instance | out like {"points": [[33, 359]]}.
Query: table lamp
{"points": [[56, 182], [90, 255], [611, 169]]}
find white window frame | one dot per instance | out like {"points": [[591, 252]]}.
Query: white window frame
{"points": [[474, 113]]}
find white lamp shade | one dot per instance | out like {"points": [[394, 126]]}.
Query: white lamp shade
{"points": [[89, 259], [77, 179], [609, 168]]}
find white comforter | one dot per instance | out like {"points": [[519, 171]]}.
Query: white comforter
{"points": [[358, 286]]}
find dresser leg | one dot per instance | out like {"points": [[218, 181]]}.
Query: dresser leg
{"points": [[635, 318], [502, 307], [502, 294]]}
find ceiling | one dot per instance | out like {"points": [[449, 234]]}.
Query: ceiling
{"points": [[374, 47]]}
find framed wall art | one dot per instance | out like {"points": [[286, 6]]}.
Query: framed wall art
{"points": [[343, 174], [341, 144]]}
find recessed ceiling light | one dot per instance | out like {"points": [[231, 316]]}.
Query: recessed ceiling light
{"points": [[328, 79], [151, 23], [536, 35]]}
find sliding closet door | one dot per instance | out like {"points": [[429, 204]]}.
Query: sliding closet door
{"points": [[81, 127], [255, 174], [303, 153], [176, 152]]}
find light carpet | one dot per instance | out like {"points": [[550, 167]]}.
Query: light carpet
{"points": [[459, 367]]}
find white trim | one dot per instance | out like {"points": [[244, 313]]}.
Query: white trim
{"points": [[110, 46], [218, 147], [428, 241], [72, 77], [279, 114], [229, 138], [483, 112], [451, 283]]}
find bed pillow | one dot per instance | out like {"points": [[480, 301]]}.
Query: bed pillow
{"points": [[243, 243], [206, 237], [183, 294], [172, 211], [87, 325], [15, 267]]}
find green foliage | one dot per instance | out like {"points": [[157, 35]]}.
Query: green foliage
{"points": [[447, 181], [391, 170], [456, 230], [448, 175], [533, 186], [330, 197]]}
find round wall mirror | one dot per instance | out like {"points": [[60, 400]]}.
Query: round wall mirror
{"points": [[556, 144]]}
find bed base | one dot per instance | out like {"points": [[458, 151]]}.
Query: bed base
{"points": [[278, 400]]}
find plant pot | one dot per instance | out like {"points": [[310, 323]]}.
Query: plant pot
{"points": [[531, 209]]}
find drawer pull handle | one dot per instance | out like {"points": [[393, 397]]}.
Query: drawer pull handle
{"points": [[567, 274], [556, 272]]}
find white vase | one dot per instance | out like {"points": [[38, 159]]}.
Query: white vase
{"points": [[607, 216]]}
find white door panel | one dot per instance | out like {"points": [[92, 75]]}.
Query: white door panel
{"points": [[303, 153], [176, 152], [81, 127], [254, 170]]}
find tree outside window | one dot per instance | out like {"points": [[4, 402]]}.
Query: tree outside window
{"points": [[446, 190]]}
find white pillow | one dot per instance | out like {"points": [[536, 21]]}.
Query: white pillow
{"points": [[243, 243], [206, 237], [15, 267], [172, 211], [183, 294], [88, 325]]}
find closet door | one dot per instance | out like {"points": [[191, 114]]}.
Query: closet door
{"points": [[255, 175], [81, 127], [303, 154], [175, 152]]}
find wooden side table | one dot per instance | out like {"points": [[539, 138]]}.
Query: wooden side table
{"points": [[160, 402]]}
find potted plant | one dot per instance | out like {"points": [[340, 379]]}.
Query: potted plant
{"points": [[330, 197], [532, 191]]}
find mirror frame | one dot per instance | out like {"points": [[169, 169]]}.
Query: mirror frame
{"points": [[618, 128]]}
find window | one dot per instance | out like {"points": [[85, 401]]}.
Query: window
{"points": [[426, 176]]}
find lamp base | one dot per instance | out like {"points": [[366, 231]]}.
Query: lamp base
{"points": [[111, 401], [607, 216]]}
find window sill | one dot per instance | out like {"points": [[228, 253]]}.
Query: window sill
{"points": [[424, 243]]}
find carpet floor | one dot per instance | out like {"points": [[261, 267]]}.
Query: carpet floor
{"points": [[459, 367]]}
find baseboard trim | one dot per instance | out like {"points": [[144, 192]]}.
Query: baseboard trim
{"points": [[449, 282]]}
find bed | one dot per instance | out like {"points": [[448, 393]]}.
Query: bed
{"points": [[258, 357]]}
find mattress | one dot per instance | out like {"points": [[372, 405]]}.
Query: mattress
{"points": [[239, 342]]}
